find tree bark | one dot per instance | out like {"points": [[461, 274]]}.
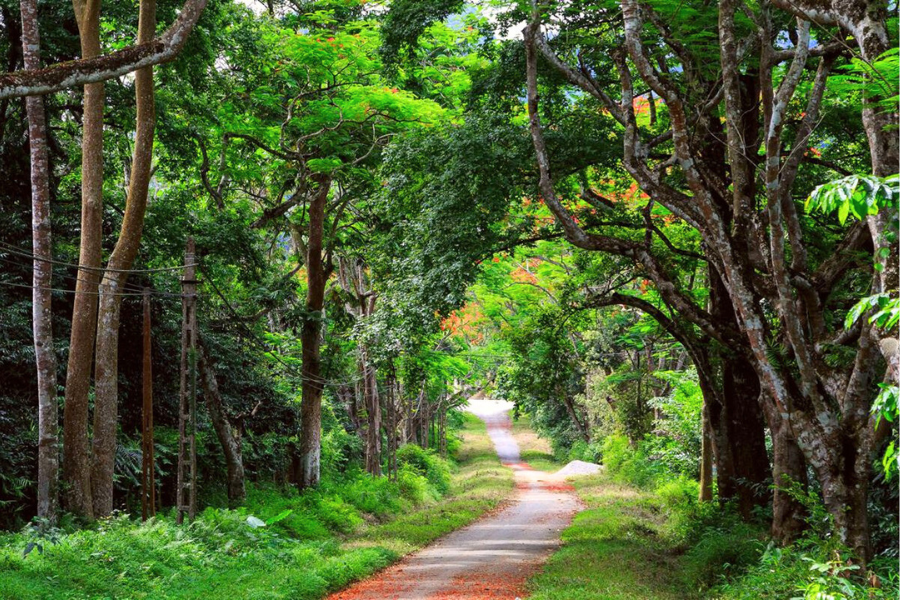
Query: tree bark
{"points": [[354, 281], [76, 456], [116, 275], [737, 422], [706, 457], [571, 409], [231, 443], [42, 248], [373, 409], [788, 471], [310, 338], [746, 436]]}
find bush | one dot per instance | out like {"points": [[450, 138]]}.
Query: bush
{"points": [[581, 450], [722, 553], [811, 569], [413, 486], [627, 464], [377, 496], [427, 464]]}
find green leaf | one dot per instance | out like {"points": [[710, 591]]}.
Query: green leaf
{"points": [[279, 517], [843, 211]]}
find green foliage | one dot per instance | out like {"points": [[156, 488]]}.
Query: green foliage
{"points": [[857, 195], [677, 436], [426, 463], [722, 553], [407, 20], [627, 464], [876, 79], [281, 545], [810, 570]]}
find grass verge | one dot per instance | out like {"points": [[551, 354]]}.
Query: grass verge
{"points": [[637, 544], [222, 556], [615, 549]]}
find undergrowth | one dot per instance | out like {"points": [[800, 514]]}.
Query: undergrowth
{"points": [[281, 544], [646, 536]]}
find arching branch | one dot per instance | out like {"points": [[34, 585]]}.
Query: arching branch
{"points": [[37, 82]]}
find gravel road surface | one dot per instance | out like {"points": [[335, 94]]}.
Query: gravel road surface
{"points": [[493, 557]]}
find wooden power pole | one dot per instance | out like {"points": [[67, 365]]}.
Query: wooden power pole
{"points": [[148, 468], [186, 496]]}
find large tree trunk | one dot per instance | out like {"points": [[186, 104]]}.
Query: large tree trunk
{"points": [[76, 456], [113, 284], [310, 338], [746, 434], [788, 471], [42, 316], [231, 443], [736, 421]]}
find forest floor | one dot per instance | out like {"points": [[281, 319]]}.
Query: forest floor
{"points": [[494, 557]]}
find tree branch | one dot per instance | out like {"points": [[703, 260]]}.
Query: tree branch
{"points": [[37, 82]]}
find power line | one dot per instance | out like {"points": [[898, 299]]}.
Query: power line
{"points": [[63, 291], [259, 343], [22, 252], [131, 289]]}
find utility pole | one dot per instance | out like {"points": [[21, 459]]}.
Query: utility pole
{"points": [[148, 468], [186, 496]]}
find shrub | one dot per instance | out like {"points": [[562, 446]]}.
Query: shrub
{"points": [[378, 496], [722, 553], [811, 569], [413, 486], [627, 464], [581, 450], [427, 464]]}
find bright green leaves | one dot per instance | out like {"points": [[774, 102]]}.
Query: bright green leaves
{"points": [[407, 21], [314, 97], [875, 79], [887, 309], [857, 195], [323, 165]]}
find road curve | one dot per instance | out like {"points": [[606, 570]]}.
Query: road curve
{"points": [[493, 557]]}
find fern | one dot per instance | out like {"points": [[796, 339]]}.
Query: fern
{"points": [[878, 79]]}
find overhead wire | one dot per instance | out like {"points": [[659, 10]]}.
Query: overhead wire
{"points": [[131, 289], [24, 253], [261, 344]]}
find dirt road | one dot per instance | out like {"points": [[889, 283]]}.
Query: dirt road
{"points": [[493, 557]]}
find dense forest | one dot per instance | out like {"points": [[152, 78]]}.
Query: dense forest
{"points": [[256, 257]]}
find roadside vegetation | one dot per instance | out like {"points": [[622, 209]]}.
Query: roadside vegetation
{"points": [[645, 535], [281, 544]]}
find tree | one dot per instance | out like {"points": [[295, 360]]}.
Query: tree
{"points": [[835, 442], [319, 147], [354, 280], [115, 276], [76, 457], [42, 315]]}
